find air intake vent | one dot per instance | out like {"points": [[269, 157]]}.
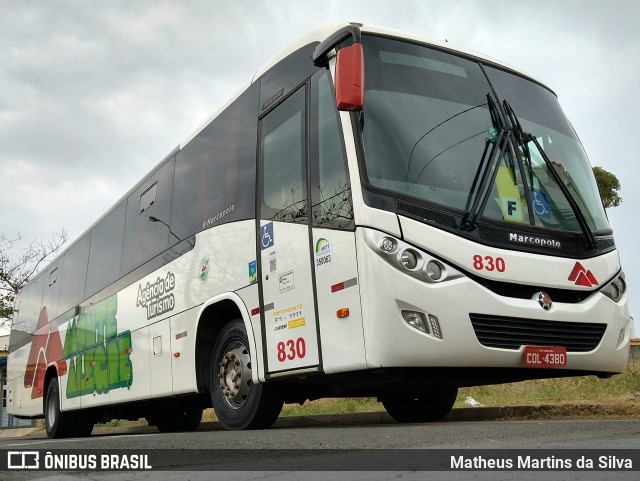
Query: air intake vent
{"points": [[511, 333], [426, 215]]}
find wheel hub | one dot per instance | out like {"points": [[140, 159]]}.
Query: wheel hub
{"points": [[234, 375]]}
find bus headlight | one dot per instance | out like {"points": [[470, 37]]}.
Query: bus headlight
{"points": [[433, 270], [616, 288], [409, 259]]}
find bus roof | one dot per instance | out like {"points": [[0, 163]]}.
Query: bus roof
{"points": [[322, 32]]}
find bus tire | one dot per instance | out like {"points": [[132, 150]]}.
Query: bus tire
{"points": [[237, 401], [421, 408], [83, 426], [179, 419], [58, 424]]}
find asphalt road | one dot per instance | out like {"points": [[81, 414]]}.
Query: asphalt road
{"points": [[325, 447]]}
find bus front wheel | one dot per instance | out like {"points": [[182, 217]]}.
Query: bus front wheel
{"points": [[421, 408], [238, 402]]}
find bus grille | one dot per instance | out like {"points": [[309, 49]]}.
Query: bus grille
{"points": [[511, 333]]}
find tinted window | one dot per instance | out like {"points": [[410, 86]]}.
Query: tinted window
{"points": [[106, 251], [74, 274], [215, 173], [330, 189], [282, 145], [52, 289], [31, 312], [144, 239]]}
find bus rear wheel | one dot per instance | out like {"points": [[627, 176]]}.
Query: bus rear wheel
{"points": [[60, 424], [237, 401], [421, 408]]}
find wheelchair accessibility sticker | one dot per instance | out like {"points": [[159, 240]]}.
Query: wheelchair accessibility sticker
{"points": [[541, 204], [266, 236]]}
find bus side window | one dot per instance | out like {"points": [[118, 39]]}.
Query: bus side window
{"points": [[74, 273], [330, 189], [52, 290], [105, 251]]}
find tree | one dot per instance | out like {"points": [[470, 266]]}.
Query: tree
{"points": [[16, 271], [608, 186]]}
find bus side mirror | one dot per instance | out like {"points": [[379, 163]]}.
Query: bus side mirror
{"points": [[350, 78]]}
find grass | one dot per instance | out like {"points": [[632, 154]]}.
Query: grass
{"points": [[558, 391]]}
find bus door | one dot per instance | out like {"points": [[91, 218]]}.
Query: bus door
{"points": [[288, 303]]}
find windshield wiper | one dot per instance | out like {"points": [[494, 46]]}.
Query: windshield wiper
{"points": [[523, 139], [487, 169]]}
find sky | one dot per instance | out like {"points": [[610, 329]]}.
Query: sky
{"points": [[94, 93]]}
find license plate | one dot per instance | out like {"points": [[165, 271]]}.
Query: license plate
{"points": [[545, 356]]}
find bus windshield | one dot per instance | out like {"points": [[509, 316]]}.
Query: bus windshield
{"points": [[427, 124]]}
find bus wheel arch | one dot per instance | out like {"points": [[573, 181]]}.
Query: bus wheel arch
{"points": [[51, 373], [213, 318]]}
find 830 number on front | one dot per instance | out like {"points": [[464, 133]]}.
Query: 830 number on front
{"points": [[489, 263]]}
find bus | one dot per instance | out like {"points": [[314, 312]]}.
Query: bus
{"points": [[373, 214]]}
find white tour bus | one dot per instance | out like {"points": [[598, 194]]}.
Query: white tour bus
{"points": [[374, 214]]}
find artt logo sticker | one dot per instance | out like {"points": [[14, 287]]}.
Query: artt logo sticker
{"points": [[582, 277]]}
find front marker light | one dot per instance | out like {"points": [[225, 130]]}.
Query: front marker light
{"points": [[435, 326], [387, 244], [417, 320]]}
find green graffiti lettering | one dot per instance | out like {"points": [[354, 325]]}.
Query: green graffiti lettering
{"points": [[112, 361], [87, 373], [99, 358], [70, 343], [125, 370], [101, 370], [111, 306], [73, 379]]}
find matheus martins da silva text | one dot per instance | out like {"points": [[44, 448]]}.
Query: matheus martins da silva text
{"points": [[546, 462]]}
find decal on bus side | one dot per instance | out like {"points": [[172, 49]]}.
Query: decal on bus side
{"points": [[323, 252], [99, 356], [157, 298], [44, 349]]}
